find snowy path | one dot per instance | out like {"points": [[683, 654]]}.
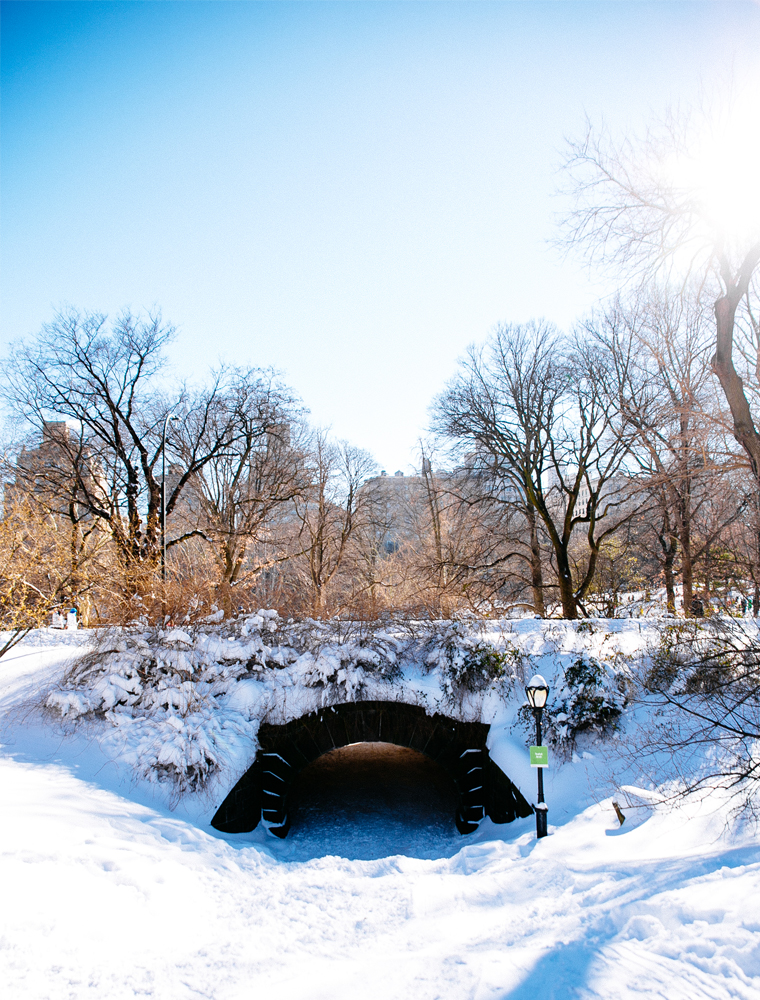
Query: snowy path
{"points": [[105, 898], [105, 893]]}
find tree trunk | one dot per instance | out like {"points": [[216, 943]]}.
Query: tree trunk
{"points": [[669, 547], [536, 571], [725, 308], [755, 574], [744, 428], [435, 521], [684, 533], [75, 552], [687, 575], [565, 581]]}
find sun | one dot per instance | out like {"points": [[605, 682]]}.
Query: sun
{"points": [[715, 173]]}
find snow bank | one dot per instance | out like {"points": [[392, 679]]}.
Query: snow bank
{"points": [[184, 705], [108, 895], [106, 899]]}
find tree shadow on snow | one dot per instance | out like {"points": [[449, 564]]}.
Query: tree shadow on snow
{"points": [[559, 975]]}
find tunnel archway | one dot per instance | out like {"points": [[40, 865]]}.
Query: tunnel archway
{"points": [[262, 793], [359, 797]]}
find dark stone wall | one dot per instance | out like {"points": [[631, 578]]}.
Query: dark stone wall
{"points": [[459, 747]]}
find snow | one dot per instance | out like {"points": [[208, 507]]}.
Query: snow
{"points": [[185, 707], [112, 887]]}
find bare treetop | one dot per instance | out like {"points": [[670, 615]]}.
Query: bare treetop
{"points": [[680, 199], [680, 202]]}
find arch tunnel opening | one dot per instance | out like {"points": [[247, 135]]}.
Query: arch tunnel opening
{"points": [[311, 751], [367, 791]]}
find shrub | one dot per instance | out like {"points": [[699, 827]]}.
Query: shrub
{"points": [[590, 699], [702, 689], [468, 663]]}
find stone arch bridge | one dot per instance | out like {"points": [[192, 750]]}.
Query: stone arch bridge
{"points": [[459, 747]]}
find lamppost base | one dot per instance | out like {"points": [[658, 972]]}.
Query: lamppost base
{"points": [[542, 820]]}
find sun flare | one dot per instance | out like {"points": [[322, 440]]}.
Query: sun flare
{"points": [[718, 173]]}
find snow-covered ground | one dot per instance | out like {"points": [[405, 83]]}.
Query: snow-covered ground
{"points": [[107, 891]]}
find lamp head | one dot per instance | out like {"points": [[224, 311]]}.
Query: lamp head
{"points": [[537, 691]]}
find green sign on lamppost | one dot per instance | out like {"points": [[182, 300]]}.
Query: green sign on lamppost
{"points": [[539, 757], [537, 691]]}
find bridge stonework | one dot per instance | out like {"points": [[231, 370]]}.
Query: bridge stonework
{"points": [[459, 747]]}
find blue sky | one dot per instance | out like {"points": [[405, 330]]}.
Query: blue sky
{"points": [[350, 192]]}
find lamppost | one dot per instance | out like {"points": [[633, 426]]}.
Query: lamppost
{"points": [[537, 691], [170, 416]]}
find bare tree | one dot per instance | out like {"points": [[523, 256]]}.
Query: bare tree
{"points": [[473, 542], [103, 381], [331, 510], [491, 552], [43, 476], [532, 408], [465, 549], [434, 544], [42, 565], [703, 690], [679, 202], [232, 500], [664, 394]]}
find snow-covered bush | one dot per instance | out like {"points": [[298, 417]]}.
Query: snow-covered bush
{"points": [[160, 689], [184, 750], [590, 699], [164, 690], [468, 662], [702, 656], [671, 654], [176, 669], [702, 693], [343, 660]]}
